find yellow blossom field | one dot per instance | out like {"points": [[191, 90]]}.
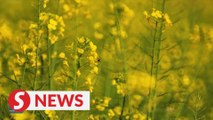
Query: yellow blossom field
{"points": [[140, 59]]}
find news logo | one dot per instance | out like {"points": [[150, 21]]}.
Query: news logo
{"points": [[20, 100]]}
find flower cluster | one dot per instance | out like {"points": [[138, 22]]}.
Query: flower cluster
{"points": [[87, 49], [98, 31], [121, 17], [78, 7], [157, 16], [54, 25], [120, 84], [101, 105], [121, 10], [51, 114], [24, 116], [115, 113], [45, 3], [93, 58]]}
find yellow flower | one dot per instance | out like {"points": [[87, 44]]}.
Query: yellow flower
{"points": [[167, 20], [44, 56], [135, 77], [93, 102], [95, 70], [121, 89], [135, 100], [80, 51], [20, 61], [82, 2], [123, 34], [81, 40], [53, 38], [111, 22], [33, 26], [117, 110], [17, 72], [106, 101], [91, 117], [24, 116], [186, 80], [51, 114], [156, 13], [62, 55], [146, 14], [127, 117], [111, 113], [52, 24], [78, 73], [43, 16], [114, 31], [98, 35], [165, 62], [66, 8], [91, 89], [54, 54], [88, 81], [97, 25], [65, 62], [92, 47], [114, 82], [45, 3], [100, 108], [5, 31], [135, 116]]}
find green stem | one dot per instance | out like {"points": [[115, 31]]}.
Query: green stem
{"points": [[49, 61], [182, 106], [153, 49], [75, 75], [155, 63], [23, 75], [152, 70], [122, 107], [76, 61], [37, 42], [121, 54]]}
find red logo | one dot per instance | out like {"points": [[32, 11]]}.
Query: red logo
{"points": [[19, 100]]}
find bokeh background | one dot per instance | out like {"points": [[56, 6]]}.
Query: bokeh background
{"points": [[141, 59]]}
